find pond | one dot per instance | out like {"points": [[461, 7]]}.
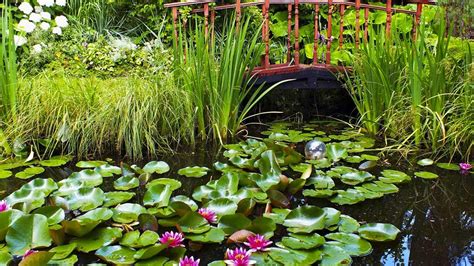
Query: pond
{"points": [[434, 216]]}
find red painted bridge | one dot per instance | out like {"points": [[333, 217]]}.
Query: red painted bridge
{"points": [[318, 73]]}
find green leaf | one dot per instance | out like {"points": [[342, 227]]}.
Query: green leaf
{"points": [[85, 199], [29, 172], [7, 218], [85, 223], [117, 255], [195, 171], [149, 252], [116, 197], [334, 255], [133, 239], [127, 213], [222, 206], [89, 177], [299, 241], [215, 235], [336, 152], [425, 162], [157, 195], [62, 252], [54, 214], [37, 258], [5, 174], [394, 177], [159, 167], [107, 170], [348, 224], [355, 178], [53, 162], [448, 166], [351, 243], [98, 238], [90, 164], [126, 183], [69, 261], [172, 183], [232, 223], [426, 175], [28, 232], [269, 169], [378, 232], [26, 199], [194, 223], [305, 219]]}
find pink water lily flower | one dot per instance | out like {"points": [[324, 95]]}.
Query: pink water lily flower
{"points": [[4, 206], [238, 257], [465, 166], [257, 243], [189, 261], [173, 239], [29, 252], [208, 214]]}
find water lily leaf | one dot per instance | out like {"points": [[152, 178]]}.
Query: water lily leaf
{"points": [[234, 222], [369, 157], [355, 178], [149, 252], [43, 185], [425, 162], [127, 212], [159, 167], [214, 235], [28, 232], [62, 252], [246, 206], [426, 175], [68, 187], [239, 236], [379, 186], [321, 164], [154, 261], [37, 258], [193, 223], [133, 239], [277, 215], [85, 223], [89, 177], [448, 166], [116, 197], [54, 214], [295, 186], [126, 183], [172, 183], [148, 222], [367, 165], [5, 258], [321, 182], [29, 172], [194, 171], [5, 174], [318, 193], [300, 241], [269, 169], [394, 177], [369, 194], [69, 261], [336, 152], [305, 219], [181, 198], [222, 206], [301, 167], [90, 164], [347, 197], [117, 255], [294, 257], [157, 195], [348, 224], [85, 199], [26, 199], [263, 226], [53, 162], [7, 218], [278, 199], [352, 244], [334, 255], [98, 238], [354, 159], [107, 170], [378, 232], [332, 217], [180, 208]]}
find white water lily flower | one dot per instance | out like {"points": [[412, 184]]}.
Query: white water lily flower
{"points": [[46, 2], [26, 26], [37, 48], [46, 15], [25, 7], [61, 2], [45, 26], [61, 21], [19, 40], [57, 30], [38, 9], [35, 17]]}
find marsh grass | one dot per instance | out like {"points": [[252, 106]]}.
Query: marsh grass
{"points": [[90, 116]]}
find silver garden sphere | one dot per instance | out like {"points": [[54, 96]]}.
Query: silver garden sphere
{"points": [[315, 150]]}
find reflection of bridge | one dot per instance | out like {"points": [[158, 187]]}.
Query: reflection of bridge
{"points": [[320, 70]]}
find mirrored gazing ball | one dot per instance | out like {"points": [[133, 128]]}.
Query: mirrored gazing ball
{"points": [[315, 150]]}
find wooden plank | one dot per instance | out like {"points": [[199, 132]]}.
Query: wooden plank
{"points": [[180, 4]]}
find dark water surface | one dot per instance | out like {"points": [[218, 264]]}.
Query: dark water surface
{"points": [[436, 217]]}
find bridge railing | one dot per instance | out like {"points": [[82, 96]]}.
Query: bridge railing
{"points": [[209, 9]]}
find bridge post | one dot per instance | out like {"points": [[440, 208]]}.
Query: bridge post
{"points": [[388, 9], [265, 34], [329, 31], [366, 24], [206, 20], [341, 25], [316, 33], [419, 8], [357, 23], [288, 39], [174, 14], [238, 14], [297, 31]]}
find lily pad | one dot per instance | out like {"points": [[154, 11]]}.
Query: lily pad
{"points": [[382, 187], [5, 174], [425, 162], [378, 232], [300, 241], [222, 206], [54, 214], [269, 169], [348, 224], [352, 244], [53, 162], [107, 170], [90, 164], [85, 199], [42, 185], [62, 252], [158, 167], [85, 223], [127, 212], [89, 177], [116, 197], [305, 219], [321, 182], [334, 255], [157, 195], [336, 152], [394, 177], [348, 197], [134, 239], [426, 175], [193, 223], [28, 232], [194, 171], [448, 166], [98, 238], [29, 172], [149, 252], [37, 258], [355, 178], [214, 235], [117, 255], [367, 165], [126, 183], [318, 193]]}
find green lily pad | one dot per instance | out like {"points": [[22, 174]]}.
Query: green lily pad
{"points": [[426, 175], [232, 223], [331, 219], [448, 166], [5, 174], [28, 232], [277, 215], [369, 157], [127, 212], [269, 169], [382, 187], [300, 241], [348, 224], [348, 197], [117, 255], [354, 159], [126, 183], [181, 198], [352, 244], [62, 252], [7, 218], [334, 255], [53, 162], [54, 214], [42, 185], [107, 170], [222, 206], [367, 165], [172, 183], [425, 162], [37, 258], [89, 177], [318, 193], [194, 171], [336, 152], [134, 239], [85, 223], [149, 252], [321, 182], [98, 238], [26, 199], [355, 178], [305, 219], [68, 187], [29, 172], [378, 232], [394, 177], [158, 167], [116, 197], [157, 195], [194, 223], [90, 164], [85, 199], [69, 261], [214, 235]]}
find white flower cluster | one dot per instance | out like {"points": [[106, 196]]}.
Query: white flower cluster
{"points": [[37, 18]]}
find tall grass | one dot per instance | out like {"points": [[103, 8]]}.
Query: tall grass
{"points": [[99, 15], [8, 74], [414, 91], [216, 72], [91, 116]]}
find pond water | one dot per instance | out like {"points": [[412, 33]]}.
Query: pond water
{"points": [[436, 216]]}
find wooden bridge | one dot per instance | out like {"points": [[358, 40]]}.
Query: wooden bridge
{"points": [[320, 72]]}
